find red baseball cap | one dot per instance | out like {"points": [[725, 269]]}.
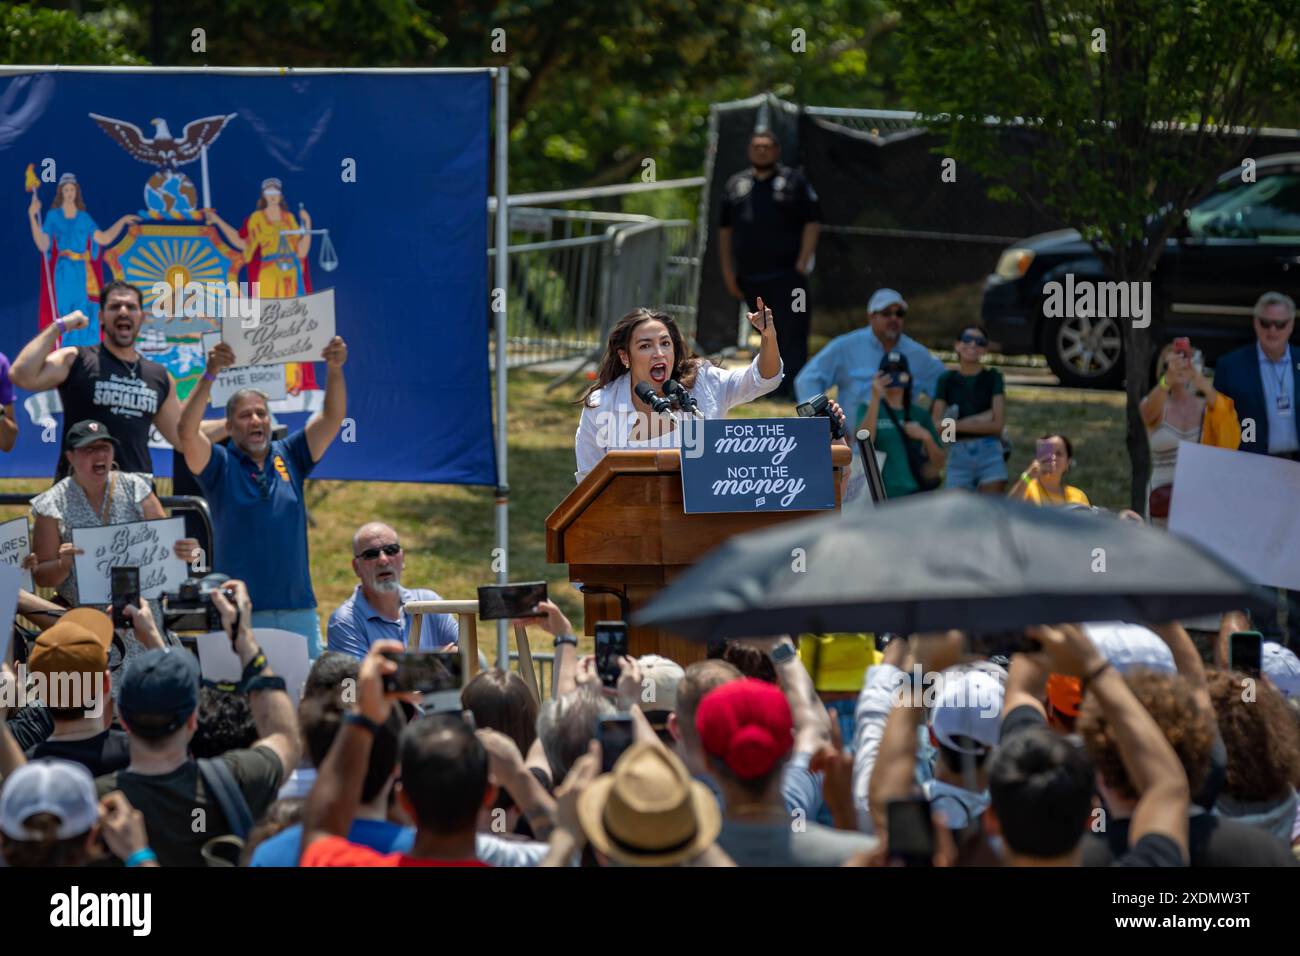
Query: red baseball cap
{"points": [[747, 725]]}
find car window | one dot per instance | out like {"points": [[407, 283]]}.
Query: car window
{"points": [[1267, 210]]}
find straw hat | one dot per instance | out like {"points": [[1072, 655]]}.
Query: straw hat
{"points": [[648, 811]]}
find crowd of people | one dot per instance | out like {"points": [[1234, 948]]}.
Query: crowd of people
{"points": [[1080, 745]]}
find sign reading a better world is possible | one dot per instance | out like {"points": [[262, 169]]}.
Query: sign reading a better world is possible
{"points": [[759, 464]]}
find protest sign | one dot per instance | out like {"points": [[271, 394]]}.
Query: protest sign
{"points": [[146, 545], [1258, 531], [15, 545], [286, 654], [283, 330], [264, 378], [760, 464], [9, 582]]}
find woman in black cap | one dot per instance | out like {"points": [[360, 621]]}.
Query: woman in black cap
{"points": [[94, 494], [903, 433]]}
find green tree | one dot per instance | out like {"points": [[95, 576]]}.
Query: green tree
{"points": [[32, 36], [1131, 109]]}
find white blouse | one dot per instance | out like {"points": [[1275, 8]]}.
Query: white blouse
{"points": [[609, 416]]}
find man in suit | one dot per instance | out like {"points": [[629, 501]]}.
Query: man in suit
{"points": [[1262, 379]]}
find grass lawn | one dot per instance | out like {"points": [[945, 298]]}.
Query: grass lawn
{"points": [[448, 531]]}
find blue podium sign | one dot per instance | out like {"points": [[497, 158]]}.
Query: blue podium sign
{"points": [[757, 464]]}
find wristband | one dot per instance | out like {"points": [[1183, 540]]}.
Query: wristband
{"points": [[63, 329], [255, 667], [566, 639], [361, 720], [1083, 684], [208, 376], [142, 856], [1024, 476]]}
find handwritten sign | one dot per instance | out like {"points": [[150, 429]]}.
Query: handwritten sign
{"points": [[285, 330], [264, 378], [146, 545], [15, 545], [759, 464], [286, 653]]}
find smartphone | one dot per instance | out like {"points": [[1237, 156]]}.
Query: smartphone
{"points": [[435, 674], [124, 585], [1046, 449], [1246, 651], [611, 644], [1183, 346], [498, 602], [615, 736], [911, 831]]}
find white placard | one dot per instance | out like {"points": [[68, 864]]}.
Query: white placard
{"points": [[286, 330], [9, 581], [1242, 507], [15, 545], [147, 545], [286, 654], [264, 378]]}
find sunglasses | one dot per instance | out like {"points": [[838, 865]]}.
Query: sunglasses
{"points": [[895, 313], [370, 554], [1277, 324], [978, 341]]}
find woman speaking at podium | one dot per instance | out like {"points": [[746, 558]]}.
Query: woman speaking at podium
{"points": [[646, 349]]}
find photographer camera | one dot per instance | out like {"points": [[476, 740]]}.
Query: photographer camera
{"points": [[159, 703]]}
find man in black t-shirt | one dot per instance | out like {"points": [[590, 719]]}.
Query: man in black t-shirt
{"points": [[110, 382], [1041, 784], [770, 221]]}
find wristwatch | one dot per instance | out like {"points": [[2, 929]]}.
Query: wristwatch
{"points": [[782, 653], [566, 639]]}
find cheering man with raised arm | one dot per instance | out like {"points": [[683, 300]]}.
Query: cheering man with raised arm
{"points": [[110, 382], [255, 491]]}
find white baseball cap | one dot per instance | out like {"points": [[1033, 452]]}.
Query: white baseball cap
{"points": [[969, 705], [1131, 646], [60, 787], [1282, 667], [882, 299], [666, 675]]}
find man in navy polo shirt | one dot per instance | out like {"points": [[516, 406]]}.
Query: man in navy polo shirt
{"points": [[255, 491], [376, 611]]}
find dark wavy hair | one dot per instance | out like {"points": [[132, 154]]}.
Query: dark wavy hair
{"points": [[225, 723], [685, 362]]}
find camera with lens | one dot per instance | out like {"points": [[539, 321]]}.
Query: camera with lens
{"points": [[190, 607], [819, 404]]}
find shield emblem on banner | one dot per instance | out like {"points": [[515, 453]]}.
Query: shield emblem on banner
{"points": [[174, 255]]}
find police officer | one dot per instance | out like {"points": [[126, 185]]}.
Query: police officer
{"points": [[766, 239]]}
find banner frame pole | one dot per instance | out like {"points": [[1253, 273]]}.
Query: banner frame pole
{"points": [[501, 286]]}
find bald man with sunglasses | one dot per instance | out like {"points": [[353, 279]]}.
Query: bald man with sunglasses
{"points": [[376, 609]]}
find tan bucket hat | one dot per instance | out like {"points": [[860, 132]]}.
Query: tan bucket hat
{"points": [[648, 811]]}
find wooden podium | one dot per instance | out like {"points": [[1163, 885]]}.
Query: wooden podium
{"points": [[623, 528]]}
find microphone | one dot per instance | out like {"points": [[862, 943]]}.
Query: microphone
{"points": [[658, 403], [674, 388]]}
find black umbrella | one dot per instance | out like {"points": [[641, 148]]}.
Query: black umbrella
{"points": [[950, 560]]}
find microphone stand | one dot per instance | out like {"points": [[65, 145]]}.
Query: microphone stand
{"points": [[875, 483]]}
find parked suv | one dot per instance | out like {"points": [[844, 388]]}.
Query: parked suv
{"points": [[1239, 242]]}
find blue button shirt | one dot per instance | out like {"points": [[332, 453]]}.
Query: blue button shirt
{"points": [[284, 848], [1278, 379], [355, 625], [852, 360], [260, 522]]}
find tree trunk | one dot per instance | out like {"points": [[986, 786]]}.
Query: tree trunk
{"points": [[1130, 266]]}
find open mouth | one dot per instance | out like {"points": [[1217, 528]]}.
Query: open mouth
{"points": [[100, 468], [256, 436], [125, 326], [659, 372]]}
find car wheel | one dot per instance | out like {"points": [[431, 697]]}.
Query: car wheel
{"points": [[1085, 351]]}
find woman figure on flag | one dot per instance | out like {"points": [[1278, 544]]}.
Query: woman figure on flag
{"points": [[71, 245], [279, 274]]}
